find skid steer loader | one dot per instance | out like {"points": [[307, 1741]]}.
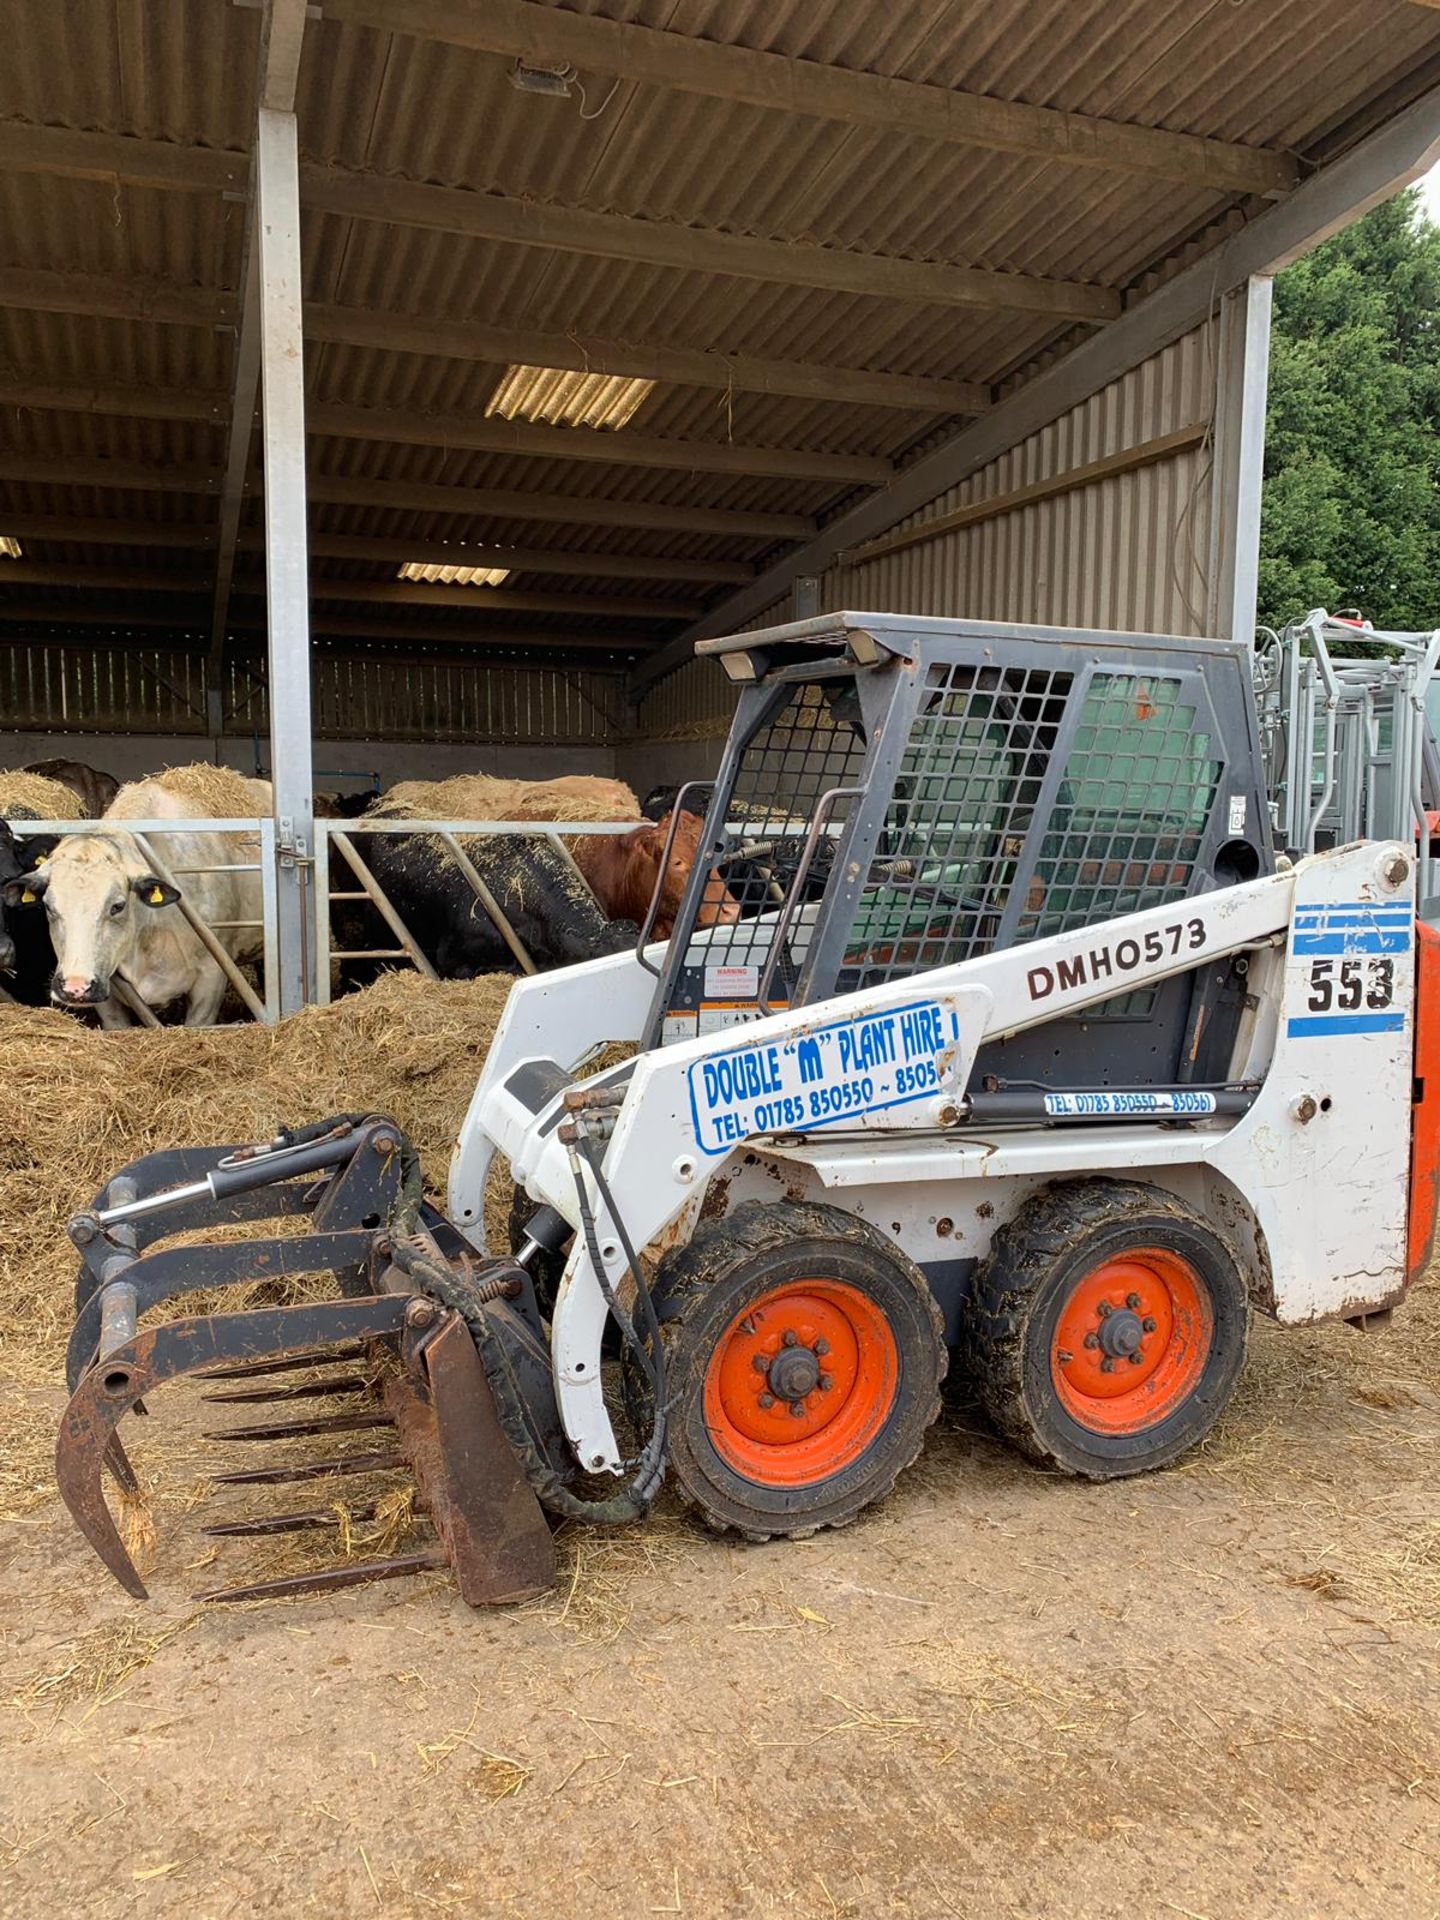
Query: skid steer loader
{"points": [[1025, 1049]]}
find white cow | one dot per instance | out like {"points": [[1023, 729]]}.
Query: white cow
{"points": [[112, 917]]}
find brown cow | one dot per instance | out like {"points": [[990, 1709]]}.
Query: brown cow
{"points": [[622, 870]]}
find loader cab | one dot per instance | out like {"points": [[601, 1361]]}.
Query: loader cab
{"points": [[903, 794]]}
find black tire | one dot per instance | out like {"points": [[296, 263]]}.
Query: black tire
{"points": [[875, 1426], [1038, 1266]]}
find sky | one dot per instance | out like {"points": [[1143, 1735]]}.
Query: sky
{"points": [[1430, 188]]}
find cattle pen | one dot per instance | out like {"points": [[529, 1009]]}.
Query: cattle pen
{"points": [[394, 394]]}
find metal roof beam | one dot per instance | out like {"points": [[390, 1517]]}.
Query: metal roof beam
{"points": [[651, 57], [1376, 168], [405, 496], [116, 297], [619, 448]]}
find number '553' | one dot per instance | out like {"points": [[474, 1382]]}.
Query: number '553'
{"points": [[1348, 985]]}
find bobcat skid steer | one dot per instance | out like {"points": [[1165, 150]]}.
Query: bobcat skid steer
{"points": [[1024, 1049]]}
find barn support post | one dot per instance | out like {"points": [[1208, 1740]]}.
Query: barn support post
{"points": [[1241, 384], [282, 428]]}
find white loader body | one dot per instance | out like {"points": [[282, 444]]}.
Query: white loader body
{"points": [[862, 1100]]}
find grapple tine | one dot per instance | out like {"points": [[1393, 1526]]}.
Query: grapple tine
{"points": [[301, 1522], [325, 1578], [136, 1367], [309, 1470], [308, 1390], [319, 1357], [118, 1462], [297, 1429]]}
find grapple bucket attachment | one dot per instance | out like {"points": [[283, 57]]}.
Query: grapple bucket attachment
{"points": [[401, 1364]]}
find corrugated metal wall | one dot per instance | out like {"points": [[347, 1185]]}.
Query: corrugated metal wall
{"points": [[83, 687], [1130, 551]]}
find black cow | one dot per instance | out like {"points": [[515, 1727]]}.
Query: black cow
{"points": [[536, 887], [94, 788], [27, 959]]}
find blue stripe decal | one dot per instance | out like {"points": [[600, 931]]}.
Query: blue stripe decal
{"points": [[1312, 1026], [1345, 942], [1352, 916]]}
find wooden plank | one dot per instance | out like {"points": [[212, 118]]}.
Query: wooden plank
{"points": [[475, 435], [113, 297], [680, 366], [659, 243], [91, 531], [805, 87], [480, 600], [622, 448], [117, 159], [404, 495], [116, 298], [1127, 460]]}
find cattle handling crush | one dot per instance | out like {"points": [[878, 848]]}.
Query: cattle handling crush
{"points": [[1024, 1047]]}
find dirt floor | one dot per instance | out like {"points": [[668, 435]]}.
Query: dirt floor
{"points": [[1212, 1692]]}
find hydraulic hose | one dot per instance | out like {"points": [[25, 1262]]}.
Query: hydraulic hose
{"points": [[410, 1249]]}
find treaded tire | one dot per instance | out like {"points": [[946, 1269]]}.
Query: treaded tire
{"points": [[1038, 1263], [702, 1294]]}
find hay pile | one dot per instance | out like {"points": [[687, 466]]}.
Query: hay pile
{"points": [[30, 796], [480, 796], [79, 1104], [220, 792]]}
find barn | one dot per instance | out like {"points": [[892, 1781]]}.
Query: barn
{"points": [[394, 388]]}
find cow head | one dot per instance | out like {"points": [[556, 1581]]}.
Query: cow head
{"points": [[718, 907], [95, 894]]}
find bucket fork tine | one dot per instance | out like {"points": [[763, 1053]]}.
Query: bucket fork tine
{"points": [[136, 1367]]}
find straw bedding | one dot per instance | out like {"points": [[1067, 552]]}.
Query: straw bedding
{"points": [[80, 1104], [481, 796], [30, 796], [217, 792]]}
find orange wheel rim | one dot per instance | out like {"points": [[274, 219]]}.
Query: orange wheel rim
{"points": [[800, 1383], [1132, 1341]]}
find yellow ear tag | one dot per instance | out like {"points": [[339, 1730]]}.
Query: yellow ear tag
{"points": [[157, 897], [27, 898]]}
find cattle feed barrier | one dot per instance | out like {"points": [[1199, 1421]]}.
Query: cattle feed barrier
{"points": [[342, 833], [266, 1008]]}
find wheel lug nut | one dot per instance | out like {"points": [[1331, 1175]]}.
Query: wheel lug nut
{"points": [[1105, 1309], [1132, 1300], [797, 1407], [1107, 1365], [1137, 1359], [1092, 1339], [767, 1400], [822, 1347], [789, 1337], [1148, 1323], [760, 1363], [826, 1382]]}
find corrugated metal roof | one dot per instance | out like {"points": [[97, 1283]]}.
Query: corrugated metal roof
{"points": [[1283, 76]]}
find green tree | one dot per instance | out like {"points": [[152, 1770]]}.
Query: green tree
{"points": [[1351, 512]]}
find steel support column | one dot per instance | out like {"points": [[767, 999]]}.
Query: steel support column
{"points": [[1241, 382], [282, 426]]}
